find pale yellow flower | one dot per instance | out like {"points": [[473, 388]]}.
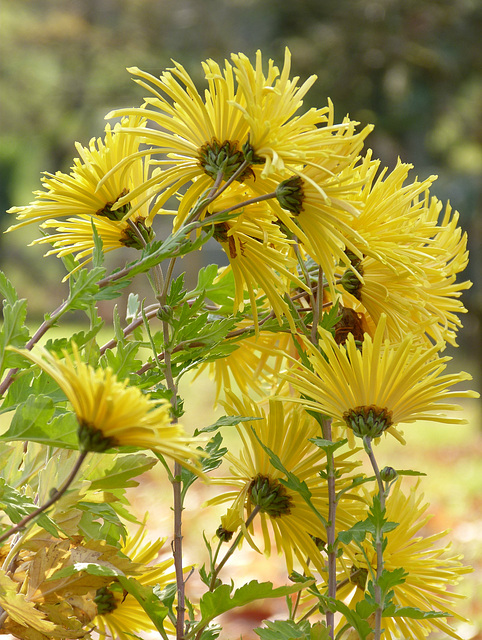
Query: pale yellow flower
{"points": [[112, 413], [120, 614], [430, 569], [71, 202], [373, 389], [284, 515]]}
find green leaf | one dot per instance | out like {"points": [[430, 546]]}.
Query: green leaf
{"points": [[34, 420], [148, 600], [92, 568], [328, 445], [357, 533], [176, 295], [118, 473], [213, 603], [394, 611], [353, 618], [84, 287], [284, 630], [17, 506], [98, 255], [123, 359], [225, 421], [390, 579], [409, 472], [14, 332]]}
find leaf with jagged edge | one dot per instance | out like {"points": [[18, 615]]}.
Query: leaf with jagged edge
{"points": [[222, 599], [13, 332], [20, 609], [34, 420], [17, 506]]}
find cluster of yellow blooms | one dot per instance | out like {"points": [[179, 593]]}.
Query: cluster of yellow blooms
{"points": [[312, 221]]}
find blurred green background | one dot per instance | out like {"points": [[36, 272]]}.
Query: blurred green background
{"points": [[411, 67]]}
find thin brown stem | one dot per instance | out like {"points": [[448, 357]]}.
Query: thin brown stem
{"points": [[317, 307], [367, 443], [330, 530]]}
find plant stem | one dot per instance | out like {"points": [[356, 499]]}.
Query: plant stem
{"points": [[232, 548], [330, 530], [317, 307], [56, 495], [378, 540]]}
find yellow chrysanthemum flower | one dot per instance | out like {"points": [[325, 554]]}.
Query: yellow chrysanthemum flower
{"points": [[256, 482], [78, 194], [372, 389], [244, 116], [110, 412], [119, 614], [283, 140], [430, 569], [422, 298], [393, 220], [257, 250]]}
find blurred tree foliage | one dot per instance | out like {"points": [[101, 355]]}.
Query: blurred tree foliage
{"points": [[412, 67]]}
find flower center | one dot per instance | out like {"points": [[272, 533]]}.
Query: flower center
{"points": [[129, 237], [105, 601], [224, 157], [92, 439], [290, 194], [270, 495], [119, 213], [359, 576], [369, 421]]}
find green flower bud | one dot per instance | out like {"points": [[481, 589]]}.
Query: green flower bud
{"points": [[351, 283], [290, 194], [105, 601], [164, 313], [270, 495], [368, 421], [224, 157], [92, 439], [388, 474], [359, 576], [119, 213]]}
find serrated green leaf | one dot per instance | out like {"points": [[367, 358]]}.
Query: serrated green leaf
{"points": [[390, 579], [353, 618], [213, 603], [394, 611], [328, 445], [84, 287], [13, 333], [148, 600], [357, 533], [225, 421], [175, 294], [284, 630], [118, 473], [17, 506], [34, 421], [92, 568], [7, 289]]}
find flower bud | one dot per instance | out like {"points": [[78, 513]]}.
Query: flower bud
{"points": [[388, 474], [290, 194]]}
